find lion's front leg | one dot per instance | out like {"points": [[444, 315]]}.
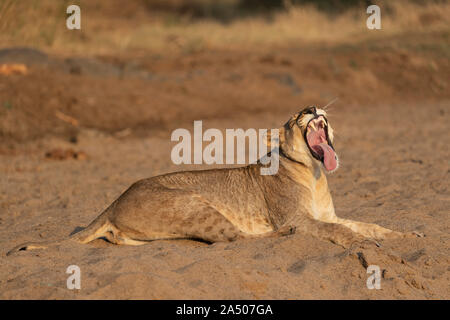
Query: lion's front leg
{"points": [[334, 232], [374, 231]]}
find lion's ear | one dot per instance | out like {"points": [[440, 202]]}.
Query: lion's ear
{"points": [[274, 137]]}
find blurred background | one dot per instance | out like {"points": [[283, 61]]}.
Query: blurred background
{"points": [[149, 65], [85, 113]]}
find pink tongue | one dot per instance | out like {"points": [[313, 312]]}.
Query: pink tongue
{"points": [[329, 157]]}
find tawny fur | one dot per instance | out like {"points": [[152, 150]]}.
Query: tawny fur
{"points": [[230, 204]]}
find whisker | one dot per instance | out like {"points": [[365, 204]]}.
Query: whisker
{"points": [[329, 104]]}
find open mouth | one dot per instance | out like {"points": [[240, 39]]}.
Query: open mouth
{"points": [[319, 143]]}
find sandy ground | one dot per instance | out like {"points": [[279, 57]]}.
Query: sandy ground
{"points": [[391, 136]]}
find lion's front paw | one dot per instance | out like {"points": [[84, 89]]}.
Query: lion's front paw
{"points": [[415, 234], [400, 235]]}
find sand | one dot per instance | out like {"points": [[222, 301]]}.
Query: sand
{"points": [[391, 136]]}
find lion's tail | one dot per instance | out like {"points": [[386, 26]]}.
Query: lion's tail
{"points": [[96, 229]]}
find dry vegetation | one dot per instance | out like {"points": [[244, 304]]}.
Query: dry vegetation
{"points": [[141, 25]]}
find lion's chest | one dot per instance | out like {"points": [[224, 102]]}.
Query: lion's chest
{"points": [[323, 208]]}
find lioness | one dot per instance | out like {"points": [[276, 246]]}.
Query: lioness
{"points": [[230, 204]]}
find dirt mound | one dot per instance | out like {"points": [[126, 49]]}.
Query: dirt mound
{"points": [[28, 56], [146, 94]]}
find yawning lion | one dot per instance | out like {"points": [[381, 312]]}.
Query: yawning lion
{"points": [[230, 204]]}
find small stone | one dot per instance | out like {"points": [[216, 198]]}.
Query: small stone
{"points": [[416, 284]]}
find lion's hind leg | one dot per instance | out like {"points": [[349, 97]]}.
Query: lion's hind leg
{"points": [[208, 224], [114, 236]]}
